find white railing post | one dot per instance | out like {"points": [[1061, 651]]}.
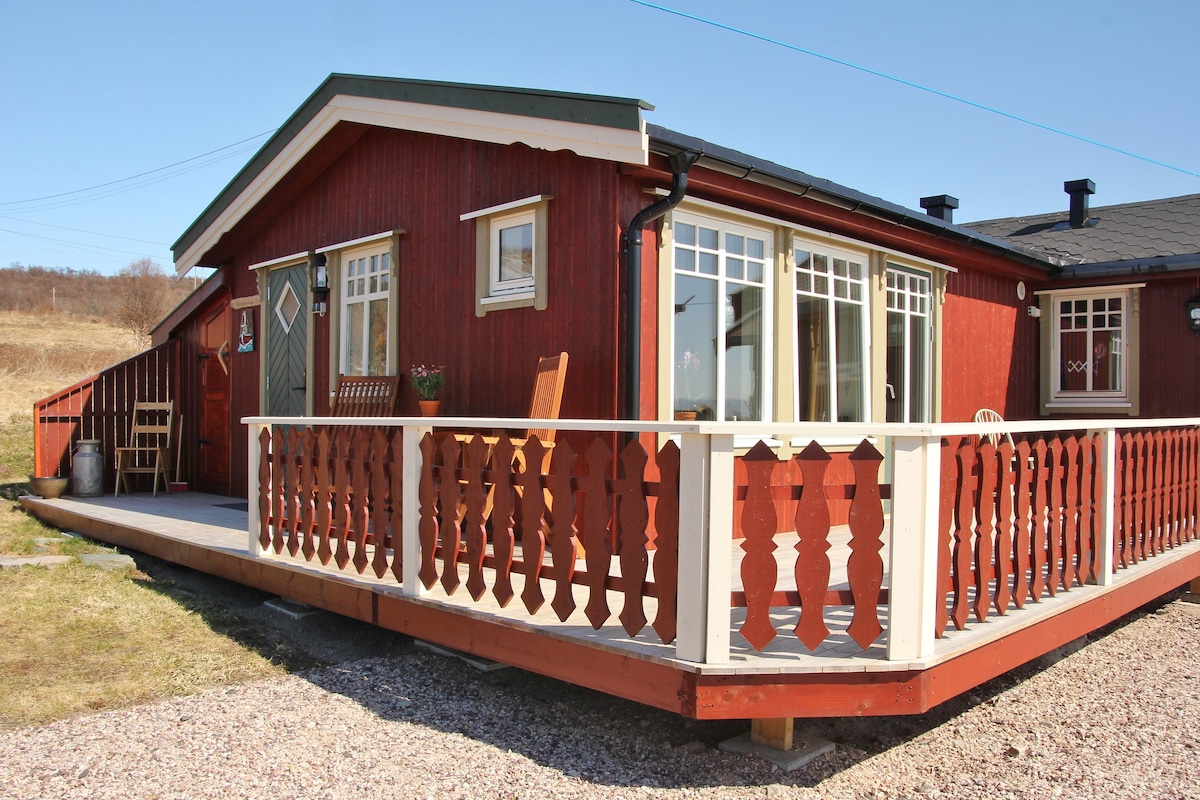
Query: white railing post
{"points": [[1106, 506], [410, 540], [253, 461], [705, 547], [913, 578]]}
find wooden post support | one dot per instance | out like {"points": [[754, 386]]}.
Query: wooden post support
{"points": [[775, 733], [913, 577], [254, 547], [705, 546], [410, 541], [1106, 504]]}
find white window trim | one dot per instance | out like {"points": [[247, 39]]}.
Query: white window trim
{"points": [[731, 224], [490, 293], [927, 345], [382, 249], [1056, 399], [862, 257]]}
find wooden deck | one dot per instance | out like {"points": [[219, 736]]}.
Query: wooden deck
{"points": [[209, 533]]}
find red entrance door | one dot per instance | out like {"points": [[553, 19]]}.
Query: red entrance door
{"points": [[213, 453]]}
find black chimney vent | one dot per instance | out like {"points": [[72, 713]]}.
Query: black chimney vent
{"points": [[941, 206], [1079, 191]]}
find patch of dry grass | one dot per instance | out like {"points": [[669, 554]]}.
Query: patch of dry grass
{"points": [[79, 639], [42, 353]]}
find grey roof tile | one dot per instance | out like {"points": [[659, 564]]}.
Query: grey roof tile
{"points": [[1154, 228]]}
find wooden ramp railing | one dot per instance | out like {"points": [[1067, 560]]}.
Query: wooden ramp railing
{"points": [[98, 407]]}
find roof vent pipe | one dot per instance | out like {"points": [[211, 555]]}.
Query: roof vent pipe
{"points": [[1079, 191], [680, 162], [941, 206]]}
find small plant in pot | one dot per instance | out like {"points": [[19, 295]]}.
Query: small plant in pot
{"points": [[428, 381]]}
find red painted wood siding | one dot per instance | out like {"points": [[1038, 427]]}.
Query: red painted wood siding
{"points": [[989, 348], [1169, 351]]}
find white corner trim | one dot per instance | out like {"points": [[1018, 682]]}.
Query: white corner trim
{"points": [[526, 201], [361, 240], [274, 262], [592, 141]]}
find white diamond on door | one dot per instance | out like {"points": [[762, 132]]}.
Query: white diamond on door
{"points": [[288, 307]]}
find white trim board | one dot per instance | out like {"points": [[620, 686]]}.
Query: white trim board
{"points": [[591, 141]]}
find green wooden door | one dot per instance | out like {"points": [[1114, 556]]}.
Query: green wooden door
{"points": [[287, 342]]}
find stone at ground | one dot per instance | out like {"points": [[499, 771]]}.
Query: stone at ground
{"points": [[108, 561], [15, 562]]}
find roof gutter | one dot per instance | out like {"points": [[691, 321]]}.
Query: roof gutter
{"points": [[681, 162]]}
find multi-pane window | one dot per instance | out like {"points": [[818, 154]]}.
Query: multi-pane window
{"points": [[721, 358], [1090, 332], [909, 336], [366, 284], [512, 248], [831, 336]]}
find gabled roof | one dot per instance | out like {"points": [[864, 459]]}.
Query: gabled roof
{"points": [[590, 125], [1131, 238]]}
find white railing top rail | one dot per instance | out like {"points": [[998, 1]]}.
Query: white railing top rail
{"points": [[815, 430]]}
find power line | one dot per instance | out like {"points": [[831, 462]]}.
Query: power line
{"points": [[79, 230], [139, 175], [912, 84]]}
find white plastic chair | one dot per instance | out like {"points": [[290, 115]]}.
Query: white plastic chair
{"points": [[987, 415]]}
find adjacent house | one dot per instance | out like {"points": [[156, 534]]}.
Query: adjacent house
{"points": [[1117, 333]]}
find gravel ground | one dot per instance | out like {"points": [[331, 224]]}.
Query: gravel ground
{"points": [[1119, 717]]}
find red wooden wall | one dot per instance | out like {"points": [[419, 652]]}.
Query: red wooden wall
{"points": [[1169, 351], [989, 348]]}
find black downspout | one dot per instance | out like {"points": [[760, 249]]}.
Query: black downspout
{"points": [[681, 162]]}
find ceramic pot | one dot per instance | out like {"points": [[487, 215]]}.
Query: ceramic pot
{"points": [[430, 408]]}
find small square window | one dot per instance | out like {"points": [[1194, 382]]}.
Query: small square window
{"points": [[512, 240]]}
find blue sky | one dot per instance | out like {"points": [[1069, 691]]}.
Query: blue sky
{"points": [[96, 93]]}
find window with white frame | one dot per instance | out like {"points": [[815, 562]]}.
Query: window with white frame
{"points": [[909, 341], [512, 243], [366, 284], [1093, 338], [722, 359], [831, 335]]}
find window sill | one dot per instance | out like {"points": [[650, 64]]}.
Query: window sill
{"points": [[512, 297]]}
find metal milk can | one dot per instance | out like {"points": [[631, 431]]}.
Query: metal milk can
{"points": [[87, 469]]}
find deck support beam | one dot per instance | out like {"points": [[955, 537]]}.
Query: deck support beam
{"points": [[253, 458], [410, 540], [776, 732]]}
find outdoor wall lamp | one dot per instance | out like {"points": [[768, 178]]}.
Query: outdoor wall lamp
{"points": [[1193, 309], [319, 283]]}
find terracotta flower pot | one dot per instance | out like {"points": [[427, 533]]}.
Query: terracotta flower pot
{"points": [[685, 416], [430, 408]]}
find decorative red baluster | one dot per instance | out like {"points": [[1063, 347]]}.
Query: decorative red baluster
{"points": [[1004, 525], [562, 529], [1071, 514], [428, 529], [359, 507], [758, 527], [666, 540], [985, 515], [278, 493], [864, 567], [476, 496], [597, 513], [963, 528], [1022, 540], [533, 541], [1039, 568], [343, 517], [293, 495], [379, 502], [948, 490], [396, 506], [321, 503], [449, 498], [1087, 479], [812, 550], [503, 507], [308, 467], [1054, 558], [633, 514]]}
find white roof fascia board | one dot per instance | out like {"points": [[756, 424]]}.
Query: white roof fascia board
{"points": [[593, 141]]}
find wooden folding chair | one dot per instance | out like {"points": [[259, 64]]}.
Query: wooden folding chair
{"points": [[149, 448], [365, 396]]}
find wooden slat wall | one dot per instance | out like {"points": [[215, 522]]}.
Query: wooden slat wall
{"points": [[1169, 357], [99, 407], [990, 348]]}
